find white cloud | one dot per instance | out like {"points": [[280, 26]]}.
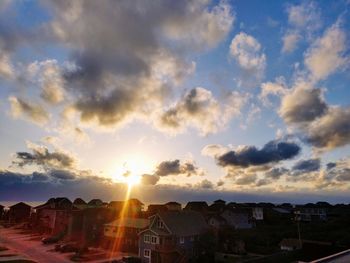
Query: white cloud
{"points": [[246, 50], [290, 41], [327, 53], [277, 88]]}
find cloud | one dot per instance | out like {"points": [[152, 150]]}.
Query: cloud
{"points": [[327, 54], [6, 68], [276, 172], [42, 157], [306, 166], [290, 41], [33, 112], [330, 130], [271, 152], [246, 50], [199, 108], [62, 174], [149, 179], [127, 59], [302, 105], [205, 184], [48, 74], [303, 21], [277, 88], [175, 167]]}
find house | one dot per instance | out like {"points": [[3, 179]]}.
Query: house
{"points": [[131, 207], [2, 208], [290, 244], [95, 203], [310, 212], [218, 206], [198, 206], [220, 201], [80, 203], [122, 234], [173, 206], [87, 226], [156, 208], [216, 221], [239, 218], [171, 236], [53, 216], [19, 212]]}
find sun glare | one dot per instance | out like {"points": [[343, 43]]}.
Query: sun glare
{"points": [[130, 169]]}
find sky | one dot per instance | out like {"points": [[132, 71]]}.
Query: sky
{"points": [[178, 100]]}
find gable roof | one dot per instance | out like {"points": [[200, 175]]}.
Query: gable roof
{"points": [[79, 201], [20, 205], [130, 222], [56, 203], [95, 202], [172, 203], [196, 205], [184, 223]]}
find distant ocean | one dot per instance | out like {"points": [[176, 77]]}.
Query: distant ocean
{"points": [[31, 203]]}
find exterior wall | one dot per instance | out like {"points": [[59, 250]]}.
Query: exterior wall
{"points": [[19, 214], [127, 238], [237, 220]]}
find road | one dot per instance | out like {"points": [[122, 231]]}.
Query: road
{"points": [[34, 250]]}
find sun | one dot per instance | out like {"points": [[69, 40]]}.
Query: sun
{"points": [[129, 170], [132, 180]]}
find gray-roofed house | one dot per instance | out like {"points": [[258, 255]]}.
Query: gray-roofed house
{"points": [[173, 206], [199, 206], [171, 236]]}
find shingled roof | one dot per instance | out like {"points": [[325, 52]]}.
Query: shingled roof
{"points": [[184, 223]]}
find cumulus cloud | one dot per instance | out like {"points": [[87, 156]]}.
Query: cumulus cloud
{"points": [[277, 88], [48, 74], [303, 104], [199, 108], [246, 50], [175, 167], [327, 54], [306, 166], [330, 130], [303, 20], [6, 68], [31, 111], [149, 179], [42, 157], [116, 81], [276, 172], [272, 152]]}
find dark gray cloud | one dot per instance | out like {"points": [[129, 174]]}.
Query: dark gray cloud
{"points": [[331, 165], [306, 166], [272, 152], [62, 174], [123, 58], [331, 130], [303, 105], [175, 167], [42, 157]]}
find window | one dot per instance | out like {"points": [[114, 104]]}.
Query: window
{"points": [[154, 240], [146, 238], [182, 240], [160, 224], [147, 253]]}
